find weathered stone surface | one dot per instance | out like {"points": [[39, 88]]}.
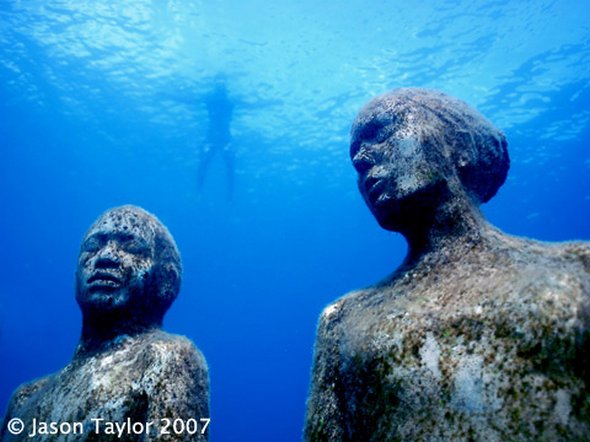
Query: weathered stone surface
{"points": [[125, 368], [478, 335]]}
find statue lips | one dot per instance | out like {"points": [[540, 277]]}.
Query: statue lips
{"points": [[374, 188], [102, 281]]}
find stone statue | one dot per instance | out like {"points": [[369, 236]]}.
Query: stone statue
{"points": [[478, 335], [128, 379]]}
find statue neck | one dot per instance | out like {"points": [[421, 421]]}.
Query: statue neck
{"points": [[454, 223], [103, 333]]}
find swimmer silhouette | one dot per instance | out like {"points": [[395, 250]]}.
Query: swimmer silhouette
{"points": [[126, 370], [218, 140], [220, 106], [478, 335]]}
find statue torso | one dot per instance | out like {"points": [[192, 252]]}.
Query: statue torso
{"points": [[115, 386], [490, 347]]}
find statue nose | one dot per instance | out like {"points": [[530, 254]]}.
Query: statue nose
{"points": [[108, 256]]}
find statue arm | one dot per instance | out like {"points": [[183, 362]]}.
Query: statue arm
{"points": [[324, 420], [177, 385]]}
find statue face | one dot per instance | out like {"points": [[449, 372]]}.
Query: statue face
{"points": [[396, 172], [115, 262]]}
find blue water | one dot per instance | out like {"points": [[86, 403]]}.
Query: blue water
{"points": [[101, 104]]}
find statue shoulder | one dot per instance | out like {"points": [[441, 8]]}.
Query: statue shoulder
{"points": [[339, 311], [168, 352], [573, 257], [175, 376], [579, 252], [566, 256], [31, 388], [25, 392]]}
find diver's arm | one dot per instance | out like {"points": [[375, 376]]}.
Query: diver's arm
{"points": [[183, 95], [255, 103]]}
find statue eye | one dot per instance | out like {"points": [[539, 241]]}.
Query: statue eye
{"points": [[92, 244], [134, 245], [373, 131], [370, 131]]}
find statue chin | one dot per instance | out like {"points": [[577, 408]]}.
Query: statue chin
{"points": [[104, 300], [398, 212]]}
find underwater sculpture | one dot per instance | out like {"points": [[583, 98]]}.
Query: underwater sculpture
{"points": [[128, 379], [478, 335]]}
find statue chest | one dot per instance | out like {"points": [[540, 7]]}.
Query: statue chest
{"points": [[489, 368], [90, 395]]}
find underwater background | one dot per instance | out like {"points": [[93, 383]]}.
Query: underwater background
{"points": [[101, 104]]}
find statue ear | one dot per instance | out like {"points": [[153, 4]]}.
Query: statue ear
{"points": [[170, 278]]}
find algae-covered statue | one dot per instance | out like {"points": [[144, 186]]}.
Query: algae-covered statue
{"points": [[128, 379], [477, 335]]}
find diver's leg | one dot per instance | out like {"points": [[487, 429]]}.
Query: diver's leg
{"points": [[205, 158], [229, 159]]}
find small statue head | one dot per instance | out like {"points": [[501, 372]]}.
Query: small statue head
{"points": [[413, 149], [129, 268]]}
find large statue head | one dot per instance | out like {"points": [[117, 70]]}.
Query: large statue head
{"points": [[129, 268], [413, 149]]}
